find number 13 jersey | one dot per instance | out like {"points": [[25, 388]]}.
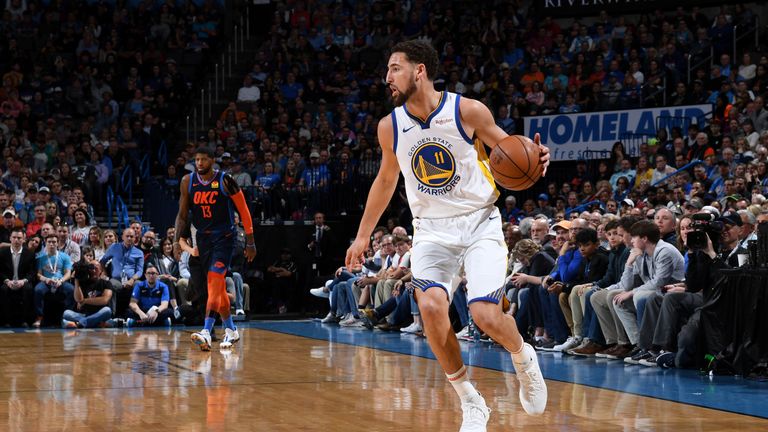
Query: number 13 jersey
{"points": [[446, 173], [212, 209]]}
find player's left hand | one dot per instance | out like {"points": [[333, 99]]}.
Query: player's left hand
{"points": [[544, 155]]}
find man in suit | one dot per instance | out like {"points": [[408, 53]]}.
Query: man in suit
{"points": [[17, 274], [320, 246]]}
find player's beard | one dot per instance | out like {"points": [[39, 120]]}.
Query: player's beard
{"points": [[203, 171], [402, 96]]}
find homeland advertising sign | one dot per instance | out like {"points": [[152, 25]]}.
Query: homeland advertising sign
{"points": [[591, 135]]}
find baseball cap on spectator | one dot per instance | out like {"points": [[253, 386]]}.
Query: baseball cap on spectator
{"points": [[722, 163], [170, 60], [712, 210], [734, 197], [564, 224], [504, 65], [709, 152], [44, 189], [314, 155], [652, 142], [628, 202], [731, 218], [226, 155], [9, 212], [202, 138], [543, 197]]}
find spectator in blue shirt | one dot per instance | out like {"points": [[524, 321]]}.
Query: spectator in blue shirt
{"points": [[314, 182], [54, 268], [291, 89], [265, 185], [127, 266], [149, 302]]}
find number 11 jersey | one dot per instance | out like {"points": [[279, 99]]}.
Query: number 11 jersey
{"points": [[446, 172]]}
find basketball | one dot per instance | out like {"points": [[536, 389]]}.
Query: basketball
{"points": [[515, 163]]}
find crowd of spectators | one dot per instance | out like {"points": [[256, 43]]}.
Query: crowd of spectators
{"points": [[301, 134], [89, 88], [626, 285]]}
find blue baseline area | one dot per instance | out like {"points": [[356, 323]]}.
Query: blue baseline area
{"points": [[725, 393]]}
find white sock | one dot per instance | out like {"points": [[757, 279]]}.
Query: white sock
{"points": [[521, 357], [461, 383]]}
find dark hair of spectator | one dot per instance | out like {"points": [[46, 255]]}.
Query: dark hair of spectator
{"points": [[586, 236], [17, 229], [626, 222], [400, 239], [52, 236], [420, 52], [85, 214], [612, 224], [647, 229]]}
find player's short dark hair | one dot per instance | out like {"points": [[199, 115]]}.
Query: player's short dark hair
{"points": [[647, 229], [586, 236], [204, 150], [420, 52]]}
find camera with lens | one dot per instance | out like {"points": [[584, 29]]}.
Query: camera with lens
{"points": [[703, 225], [83, 271]]}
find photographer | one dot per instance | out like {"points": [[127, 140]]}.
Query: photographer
{"points": [[730, 238], [677, 315], [93, 295]]}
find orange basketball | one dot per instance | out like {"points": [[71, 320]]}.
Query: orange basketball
{"points": [[515, 163]]}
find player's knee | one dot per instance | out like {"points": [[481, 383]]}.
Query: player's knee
{"points": [[487, 316], [431, 304]]}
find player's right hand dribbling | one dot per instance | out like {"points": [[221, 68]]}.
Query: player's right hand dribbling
{"points": [[356, 252]]}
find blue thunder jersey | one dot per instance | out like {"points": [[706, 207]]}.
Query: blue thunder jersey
{"points": [[446, 172], [212, 208]]}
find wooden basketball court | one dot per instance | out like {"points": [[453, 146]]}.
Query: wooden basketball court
{"points": [[147, 380]]}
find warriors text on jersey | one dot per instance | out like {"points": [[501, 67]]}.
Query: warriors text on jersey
{"points": [[446, 173], [212, 208]]}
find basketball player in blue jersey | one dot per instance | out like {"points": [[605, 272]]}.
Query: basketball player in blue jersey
{"points": [[456, 224], [212, 196]]}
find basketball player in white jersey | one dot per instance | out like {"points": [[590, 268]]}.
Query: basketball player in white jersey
{"points": [[451, 192]]}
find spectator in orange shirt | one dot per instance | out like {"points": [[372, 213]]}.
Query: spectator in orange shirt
{"points": [[232, 108], [532, 76]]}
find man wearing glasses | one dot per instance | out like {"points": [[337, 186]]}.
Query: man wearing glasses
{"points": [[149, 302]]}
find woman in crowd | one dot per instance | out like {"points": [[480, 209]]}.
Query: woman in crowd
{"points": [[79, 233], [96, 242]]}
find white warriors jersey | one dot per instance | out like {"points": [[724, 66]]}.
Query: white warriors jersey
{"points": [[446, 173]]}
